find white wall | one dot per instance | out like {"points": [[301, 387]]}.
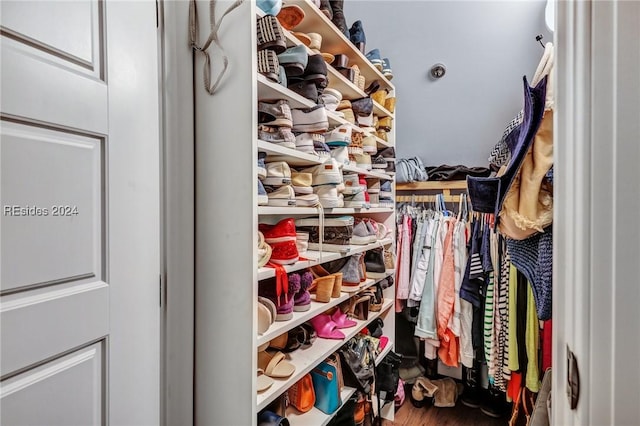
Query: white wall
{"points": [[487, 46]]}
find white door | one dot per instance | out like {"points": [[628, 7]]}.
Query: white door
{"points": [[596, 205], [79, 230]]}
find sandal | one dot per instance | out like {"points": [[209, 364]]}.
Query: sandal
{"points": [[274, 365], [326, 328], [341, 319], [267, 312], [310, 335], [289, 341], [263, 382]]}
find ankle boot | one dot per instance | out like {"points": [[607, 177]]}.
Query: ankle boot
{"points": [[471, 395], [337, 6], [325, 7]]}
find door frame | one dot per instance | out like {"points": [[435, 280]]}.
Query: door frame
{"points": [[178, 213], [597, 233]]}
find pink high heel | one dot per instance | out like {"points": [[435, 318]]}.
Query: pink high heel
{"points": [[326, 328], [341, 319]]}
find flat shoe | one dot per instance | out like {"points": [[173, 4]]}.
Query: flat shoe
{"points": [[275, 365], [263, 382]]}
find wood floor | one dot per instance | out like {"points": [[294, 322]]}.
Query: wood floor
{"points": [[460, 415]]}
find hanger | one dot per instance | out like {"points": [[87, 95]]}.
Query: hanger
{"points": [[539, 38]]}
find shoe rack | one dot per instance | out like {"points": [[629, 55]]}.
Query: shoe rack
{"points": [[227, 217]]}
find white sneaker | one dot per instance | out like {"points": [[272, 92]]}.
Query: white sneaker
{"points": [[326, 173], [356, 201], [307, 200], [304, 142], [363, 161], [282, 197], [369, 145], [278, 174], [352, 184], [341, 155], [340, 136], [310, 120], [328, 195]]}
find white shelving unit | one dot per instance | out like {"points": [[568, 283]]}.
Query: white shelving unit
{"points": [[227, 217], [306, 359], [316, 417]]}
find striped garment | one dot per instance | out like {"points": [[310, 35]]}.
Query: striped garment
{"points": [[503, 374], [488, 327]]}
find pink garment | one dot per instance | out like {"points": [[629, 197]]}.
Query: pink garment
{"points": [[448, 351], [403, 279]]}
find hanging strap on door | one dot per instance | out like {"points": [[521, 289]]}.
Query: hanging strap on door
{"points": [[213, 38]]}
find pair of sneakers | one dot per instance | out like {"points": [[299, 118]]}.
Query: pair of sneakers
{"points": [[365, 231]]}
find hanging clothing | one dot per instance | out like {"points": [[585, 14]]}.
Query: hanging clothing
{"points": [[532, 342], [448, 351]]}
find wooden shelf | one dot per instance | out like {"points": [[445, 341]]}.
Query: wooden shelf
{"points": [[334, 42], [431, 185], [280, 327], [306, 359], [316, 417], [327, 256]]}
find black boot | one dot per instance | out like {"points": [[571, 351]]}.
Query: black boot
{"points": [[471, 395], [325, 7], [495, 403], [338, 17]]}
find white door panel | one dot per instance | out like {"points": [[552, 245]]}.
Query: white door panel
{"points": [[67, 28], [41, 88], [38, 325], [79, 293], [73, 385], [65, 232]]}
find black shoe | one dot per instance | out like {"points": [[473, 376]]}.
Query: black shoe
{"points": [[338, 17], [495, 403], [471, 399]]}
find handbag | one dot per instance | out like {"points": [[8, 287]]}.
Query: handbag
{"points": [[524, 401], [302, 395], [410, 170], [357, 373], [326, 387], [387, 376], [334, 360]]}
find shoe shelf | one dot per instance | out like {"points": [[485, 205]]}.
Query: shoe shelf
{"points": [[382, 143], [336, 80], [334, 42], [314, 258], [381, 111], [268, 90], [369, 173], [293, 157], [303, 211], [384, 352], [306, 359], [316, 417], [280, 327]]}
